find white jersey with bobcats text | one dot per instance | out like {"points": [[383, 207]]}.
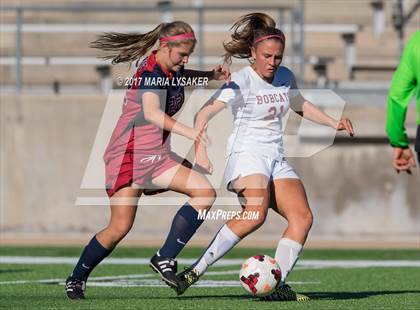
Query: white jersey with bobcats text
{"points": [[258, 108]]}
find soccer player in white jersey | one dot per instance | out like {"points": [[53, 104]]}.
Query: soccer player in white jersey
{"points": [[259, 96]]}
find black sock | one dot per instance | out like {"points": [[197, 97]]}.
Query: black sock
{"points": [[184, 225], [91, 256]]}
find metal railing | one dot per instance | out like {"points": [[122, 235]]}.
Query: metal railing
{"points": [[165, 8]]}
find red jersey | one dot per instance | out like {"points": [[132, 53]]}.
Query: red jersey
{"points": [[133, 133]]}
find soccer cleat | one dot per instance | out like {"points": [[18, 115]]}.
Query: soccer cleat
{"points": [[187, 278], [285, 293], [166, 268], [75, 288]]}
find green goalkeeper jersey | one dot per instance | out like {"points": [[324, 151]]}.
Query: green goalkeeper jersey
{"points": [[405, 83]]}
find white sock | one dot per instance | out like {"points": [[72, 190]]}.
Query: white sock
{"points": [[287, 254], [224, 240]]}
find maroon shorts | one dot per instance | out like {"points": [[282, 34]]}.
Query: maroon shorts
{"points": [[141, 169]]}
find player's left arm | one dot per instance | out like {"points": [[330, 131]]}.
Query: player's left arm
{"points": [[403, 87], [219, 73], [309, 111]]}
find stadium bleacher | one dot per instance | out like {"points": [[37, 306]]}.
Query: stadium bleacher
{"points": [[55, 44]]}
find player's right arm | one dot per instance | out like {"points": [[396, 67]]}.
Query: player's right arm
{"points": [[154, 115], [207, 112], [228, 95]]}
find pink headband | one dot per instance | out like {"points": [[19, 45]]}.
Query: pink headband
{"points": [[182, 36], [268, 37]]}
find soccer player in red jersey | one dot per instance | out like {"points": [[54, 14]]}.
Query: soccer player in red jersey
{"points": [[138, 158]]}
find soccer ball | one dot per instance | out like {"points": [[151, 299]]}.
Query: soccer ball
{"points": [[260, 275]]}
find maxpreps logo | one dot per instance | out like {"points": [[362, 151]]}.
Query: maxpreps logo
{"points": [[227, 215]]}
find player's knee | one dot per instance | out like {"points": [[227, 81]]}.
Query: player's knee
{"points": [[262, 216], [307, 220], [256, 218], [303, 221], [204, 197], [211, 196], [258, 223]]}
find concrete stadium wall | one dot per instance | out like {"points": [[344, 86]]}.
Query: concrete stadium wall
{"points": [[46, 142]]}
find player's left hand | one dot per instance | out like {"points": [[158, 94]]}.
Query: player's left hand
{"points": [[204, 165], [221, 73], [345, 124]]}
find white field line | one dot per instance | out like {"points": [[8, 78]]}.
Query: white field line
{"points": [[139, 280], [158, 283], [308, 263], [108, 278]]}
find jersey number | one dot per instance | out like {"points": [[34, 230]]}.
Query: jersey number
{"points": [[272, 113]]}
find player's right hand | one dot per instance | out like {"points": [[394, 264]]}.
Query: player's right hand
{"points": [[403, 159]]}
